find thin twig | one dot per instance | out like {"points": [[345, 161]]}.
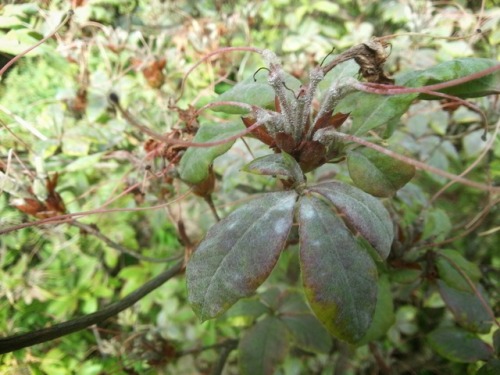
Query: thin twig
{"points": [[223, 355], [69, 14], [133, 121], [69, 217], [379, 88], [487, 148]]}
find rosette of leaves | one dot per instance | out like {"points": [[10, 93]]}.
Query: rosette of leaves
{"points": [[344, 231]]}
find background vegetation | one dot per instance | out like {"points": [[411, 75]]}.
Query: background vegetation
{"points": [[56, 119]]}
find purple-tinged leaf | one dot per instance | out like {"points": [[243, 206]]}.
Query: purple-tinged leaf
{"points": [[363, 212], [239, 253], [263, 347], [466, 307], [339, 276], [458, 345]]}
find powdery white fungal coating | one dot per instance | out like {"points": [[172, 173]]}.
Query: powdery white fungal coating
{"points": [[281, 225], [270, 57]]}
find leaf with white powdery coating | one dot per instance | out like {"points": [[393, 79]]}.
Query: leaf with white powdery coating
{"points": [[363, 212], [238, 253], [339, 276]]}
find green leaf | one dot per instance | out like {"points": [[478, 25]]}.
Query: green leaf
{"points": [[447, 261], [272, 298], [467, 308], [339, 276], [263, 347], [384, 316], [348, 68], [378, 110], [496, 342], [363, 212], [258, 93], [17, 41], [458, 345], [245, 311], [196, 161], [238, 253], [84, 162], [454, 69], [282, 165], [405, 276], [293, 303], [376, 173], [490, 368], [308, 333]]}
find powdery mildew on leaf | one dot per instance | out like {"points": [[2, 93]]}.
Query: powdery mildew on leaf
{"points": [[339, 276], [238, 253], [363, 212]]}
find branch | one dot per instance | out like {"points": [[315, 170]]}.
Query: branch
{"points": [[224, 354], [69, 217], [394, 90], [12, 343]]}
